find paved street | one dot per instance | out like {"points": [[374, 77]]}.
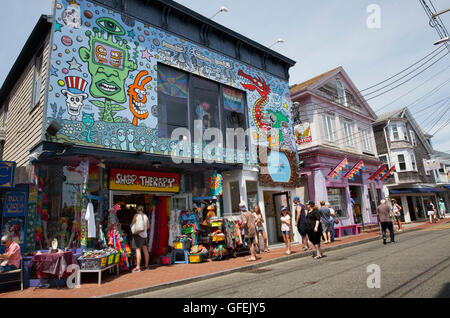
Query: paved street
{"points": [[417, 266]]}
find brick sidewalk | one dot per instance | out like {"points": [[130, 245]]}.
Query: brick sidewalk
{"points": [[175, 273]]}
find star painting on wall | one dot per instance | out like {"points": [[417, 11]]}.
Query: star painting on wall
{"points": [[58, 26], [74, 65], [146, 55]]}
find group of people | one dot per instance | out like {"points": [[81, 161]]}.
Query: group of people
{"points": [[313, 224]]}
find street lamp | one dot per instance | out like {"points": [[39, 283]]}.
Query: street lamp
{"points": [[442, 41], [278, 41], [222, 9]]}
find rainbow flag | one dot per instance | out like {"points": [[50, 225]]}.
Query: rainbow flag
{"points": [[355, 170], [389, 173], [377, 175], [339, 169]]}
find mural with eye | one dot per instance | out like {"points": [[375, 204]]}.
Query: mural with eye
{"points": [[111, 26], [138, 97]]}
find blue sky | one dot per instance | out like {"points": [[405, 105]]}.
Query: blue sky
{"points": [[319, 35]]}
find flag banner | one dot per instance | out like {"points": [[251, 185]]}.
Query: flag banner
{"points": [[389, 173], [355, 170], [377, 175], [339, 169]]}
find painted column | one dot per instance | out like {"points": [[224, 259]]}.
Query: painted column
{"points": [[320, 186]]}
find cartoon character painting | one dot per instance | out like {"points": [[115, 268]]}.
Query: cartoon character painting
{"points": [[88, 122], [72, 16], [75, 95], [138, 97], [109, 65]]}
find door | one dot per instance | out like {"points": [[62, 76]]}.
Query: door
{"points": [[279, 200], [412, 212]]}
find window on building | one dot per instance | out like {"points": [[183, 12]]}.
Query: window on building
{"points": [[172, 100], [328, 127], [405, 134], [336, 198], [401, 162], [413, 162], [365, 134], [235, 197], [395, 135], [234, 108], [205, 99], [384, 159], [348, 133], [341, 92], [37, 84], [413, 138], [252, 194], [5, 113]]}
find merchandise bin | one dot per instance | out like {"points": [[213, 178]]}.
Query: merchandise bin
{"points": [[184, 245]]}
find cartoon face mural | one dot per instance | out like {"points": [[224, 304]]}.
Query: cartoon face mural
{"points": [[75, 95], [109, 98], [108, 60], [138, 97]]}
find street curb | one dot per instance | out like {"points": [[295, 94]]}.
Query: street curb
{"points": [[246, 268]]}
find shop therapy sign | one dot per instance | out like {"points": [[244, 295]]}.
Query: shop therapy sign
{"points": [[130, 180]]}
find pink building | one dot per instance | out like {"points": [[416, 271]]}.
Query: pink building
{"points": [[333, 123]]}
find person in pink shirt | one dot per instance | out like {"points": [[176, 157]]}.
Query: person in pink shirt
{"points": [[11, 259]]}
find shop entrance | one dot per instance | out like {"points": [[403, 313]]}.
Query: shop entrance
{"points": [[357, 204], [273, 201]]}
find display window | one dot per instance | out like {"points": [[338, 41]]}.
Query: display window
{"points": [[336, 198]]}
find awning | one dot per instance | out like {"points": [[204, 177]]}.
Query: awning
{"points": [[414, 190], [447, 186]]}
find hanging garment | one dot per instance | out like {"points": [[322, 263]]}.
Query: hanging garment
{"points": [[174, 227], [90, 218], [152, 230]]}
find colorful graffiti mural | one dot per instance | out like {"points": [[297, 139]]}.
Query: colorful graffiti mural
{"points": [[104, 82]]}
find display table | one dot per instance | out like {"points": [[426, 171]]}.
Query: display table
{"points": [[54, 265], [99, 272]]}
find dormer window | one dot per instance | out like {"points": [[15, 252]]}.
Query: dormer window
{"points": [[341, 92]]}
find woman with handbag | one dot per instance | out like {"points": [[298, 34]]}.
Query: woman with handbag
{"points": [[140, 227]]}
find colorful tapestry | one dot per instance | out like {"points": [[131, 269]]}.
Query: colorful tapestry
{"points": [[216, 185], [172, 82], [233, 100], [161, 237], [389, 173]]}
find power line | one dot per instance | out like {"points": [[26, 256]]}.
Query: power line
{"points": [[401, 71]]}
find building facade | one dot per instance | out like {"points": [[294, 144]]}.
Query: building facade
{"points": [[402, 143], [334, 135], [133, 102]]}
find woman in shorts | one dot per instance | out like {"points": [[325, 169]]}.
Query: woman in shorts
{"points": [[259, 220], [286, 228]]}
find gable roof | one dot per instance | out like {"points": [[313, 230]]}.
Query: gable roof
{"points": [[318, 81]]}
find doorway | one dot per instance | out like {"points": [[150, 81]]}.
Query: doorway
{"points": [[273, 201], [357, 204], [412, 211]]}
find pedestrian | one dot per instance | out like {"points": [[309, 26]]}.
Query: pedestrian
{"points": [[396, 208], [301, 214], [430, 210], [325, 220], [139, 238], [286, 229], [259, 220], [314, 227], [10, 260], [249, 226], [442, 208], [384, 213], [332, 219]]}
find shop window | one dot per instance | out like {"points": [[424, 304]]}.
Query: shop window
{"points": [[336, 198], [235, 197], [172, 100], [252, 194], [401, 163], [234, 108], [205, 99]]}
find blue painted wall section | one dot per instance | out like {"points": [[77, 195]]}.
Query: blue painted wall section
{"points": [[103, 84]]}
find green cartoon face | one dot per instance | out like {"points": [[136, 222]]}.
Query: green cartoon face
{"points": [[108, 60]]}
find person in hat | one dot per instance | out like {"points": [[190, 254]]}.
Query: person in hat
{"points": [[249, 226], [286, 229], [301, 213], [442, 208]]}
